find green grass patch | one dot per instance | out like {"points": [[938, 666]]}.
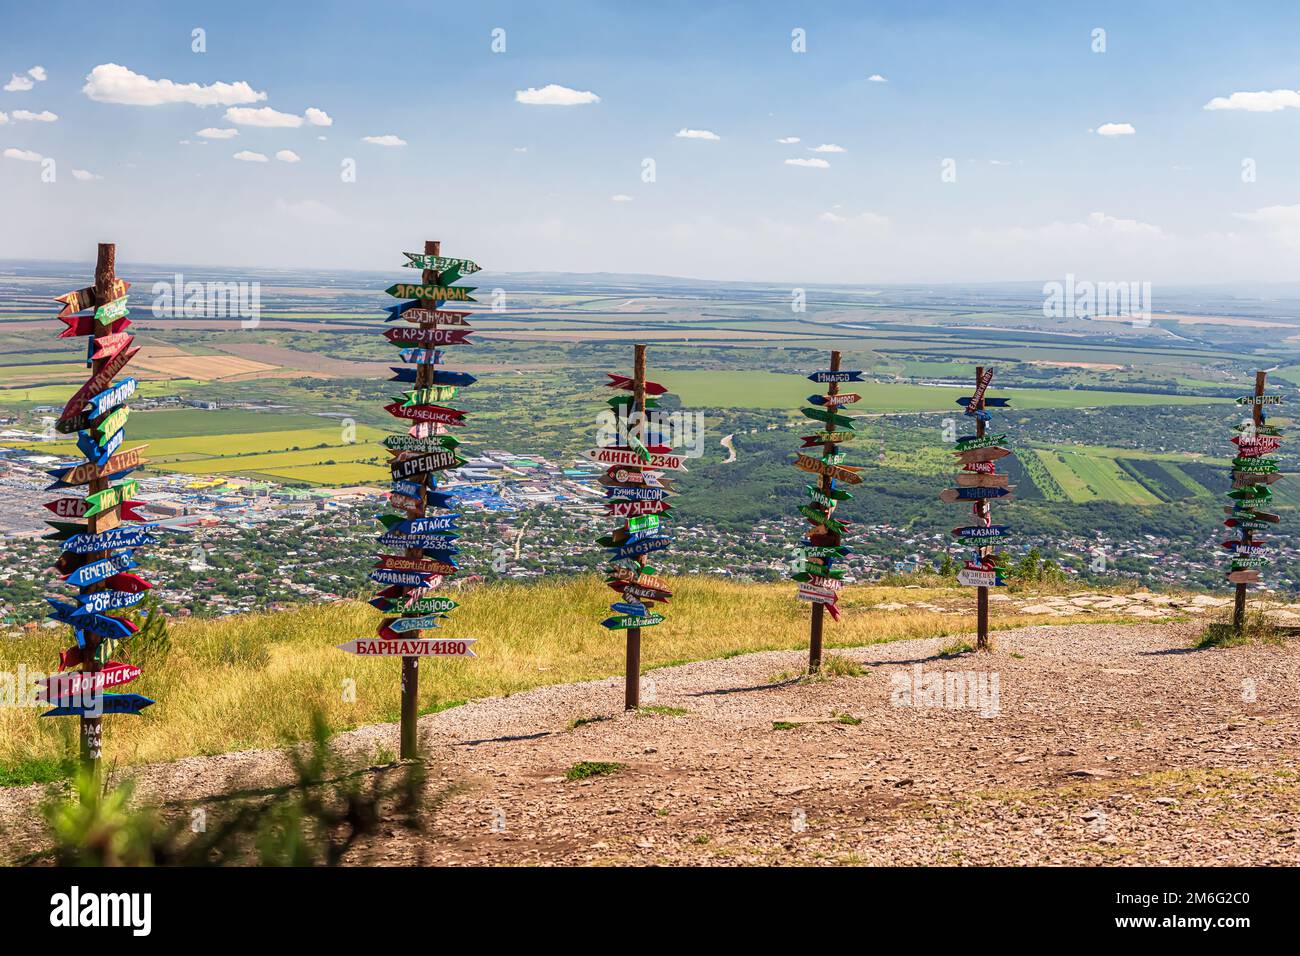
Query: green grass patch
{"points": [[1256, 629], [585, 769], [664, 711]]}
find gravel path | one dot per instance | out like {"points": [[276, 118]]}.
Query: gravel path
{"points": [[1077, 744]]}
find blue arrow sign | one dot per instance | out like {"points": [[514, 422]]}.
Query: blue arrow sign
{"points": [[409, 488], [90, 447], [988, 402], [440, 376], [395, 311], [105, 626], [432, 543], [66, 613], [132, 536], [404, 624], [102, 704], [408, 579], [635, 609], [97, 602], [111, 397], [100, 570], [826, 377], [421, 356], [58, 473], [429, 525], [638, 548]]}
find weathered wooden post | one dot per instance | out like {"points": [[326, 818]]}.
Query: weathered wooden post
{"points": [[638, 496], [819, 580], [979, 482], [1252, 476], [97, 555], [418, 457]]}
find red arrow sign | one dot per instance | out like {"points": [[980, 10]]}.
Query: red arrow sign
{"points": [[426, 413], [622, 381], [436, 315], [422, 336], [107, 346], [86, 325], [630, 509], [112, 675], [85, 298], [97, 382], [76, 508]]}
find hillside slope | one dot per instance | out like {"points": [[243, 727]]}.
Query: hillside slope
{"points": [[1104, 744], [254, 680]]}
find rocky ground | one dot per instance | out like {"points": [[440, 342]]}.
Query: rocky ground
{"points": [[1140, 604], [1072, 744]]}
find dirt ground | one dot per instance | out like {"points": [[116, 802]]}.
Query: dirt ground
{"points": [[1076, 744]]}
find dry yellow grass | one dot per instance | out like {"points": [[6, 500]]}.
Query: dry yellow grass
{"points": [[252, 680]]}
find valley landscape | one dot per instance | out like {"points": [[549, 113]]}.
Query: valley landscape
{"points": [[445, 449]]}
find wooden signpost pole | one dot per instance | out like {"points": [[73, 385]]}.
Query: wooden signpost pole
{"points": [[818, 611], [819, 578], [92, 727], [96, 556], [982, 593], [411, 665], [978, 484], [425, 541], [632, 673], [636, 494], [1247, 535]]}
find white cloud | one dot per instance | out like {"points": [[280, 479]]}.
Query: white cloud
{"points": [[317, 117], [262, 116], [999, 162], [213, 132], [1116, 129], [697, 134], [788, 140], [1263, 101], [45, 116], [869, 220], [621, 197], [4, 118], [812, 163], [321, 138], [248, 156], [19, 84], [311, 211], [37, 73], [85, 175], [521, 149], [828, 148], [111, 83], [876, 78], [388, 139], [288, 156], [26, 155], [555, 95]]}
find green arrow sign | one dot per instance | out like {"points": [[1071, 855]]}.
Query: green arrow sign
{"points": [[111, 312], [440, 263], [406, 290], [102, 501]]}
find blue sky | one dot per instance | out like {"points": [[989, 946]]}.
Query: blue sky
{"points": [[1013, 93]]}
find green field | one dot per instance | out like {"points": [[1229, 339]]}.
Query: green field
{"points": [[733, 389], [1086, 478]]}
